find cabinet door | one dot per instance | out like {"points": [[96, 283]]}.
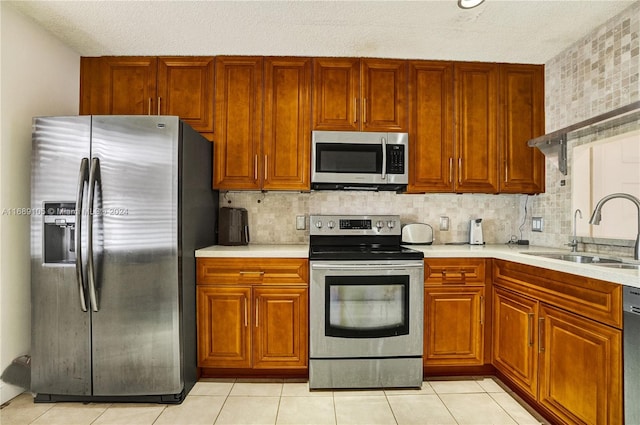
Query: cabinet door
{"points": [[580, 368], [223, 320], [286, 138], [515, 338], [185, 89], [238, 123], [113, 85], [476, 94], [280, 328], [384, 95], [454, 326], [336, 94], [522, 118], [430, 127]]}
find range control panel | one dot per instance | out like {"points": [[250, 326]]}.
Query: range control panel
{"points": [[341, 225]]}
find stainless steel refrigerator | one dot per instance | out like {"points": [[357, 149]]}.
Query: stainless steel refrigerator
{"points": [[118, 206]]}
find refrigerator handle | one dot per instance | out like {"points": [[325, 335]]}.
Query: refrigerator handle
{"points": [[82, 180], [94, 176]]}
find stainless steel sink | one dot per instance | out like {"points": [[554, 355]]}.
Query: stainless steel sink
{"points": [[627, 266], [576, 258]]}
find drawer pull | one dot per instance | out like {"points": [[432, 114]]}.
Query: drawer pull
{"points": [[249, 272], [246, 313], [541, 335]]}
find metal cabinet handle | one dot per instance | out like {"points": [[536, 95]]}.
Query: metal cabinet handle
{"points": [[364, 110], [255, 167], [149, 109], [530, 329], [450, 169], [541, 335], [242, 272], [82, 180], [246, 313], [257, 312], [460, 170], [506, 172], [481, 309], [159, 101], [266, 162], [355, 110]]}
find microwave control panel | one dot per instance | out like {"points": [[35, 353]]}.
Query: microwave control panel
{"points": [[395, 159]]}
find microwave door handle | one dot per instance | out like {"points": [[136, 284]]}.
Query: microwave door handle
{"points": [[384, 158]]}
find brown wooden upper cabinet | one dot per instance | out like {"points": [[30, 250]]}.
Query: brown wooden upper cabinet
{"points": [[181, 86], [255, 151], [475, 161], [469, 124], [430, 126], [360, 94], [522, 167]]}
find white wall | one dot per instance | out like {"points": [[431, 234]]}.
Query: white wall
{"points": [[38, 76]]}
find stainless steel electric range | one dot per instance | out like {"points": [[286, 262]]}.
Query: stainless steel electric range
{"points": [[366, 304]]}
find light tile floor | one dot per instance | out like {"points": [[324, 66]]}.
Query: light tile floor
{"points": [[477, 401]]}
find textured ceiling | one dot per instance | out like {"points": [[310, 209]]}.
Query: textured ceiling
{"points": [[519, 31]]}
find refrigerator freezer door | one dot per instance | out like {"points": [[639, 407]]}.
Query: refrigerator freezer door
{"points": [[135, 319], [60, 336]]}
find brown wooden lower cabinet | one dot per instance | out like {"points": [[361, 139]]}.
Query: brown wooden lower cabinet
{"points": [[514, 338], [547, 346], [250, 321], [454, 328], [580, 368], [454, 315]]}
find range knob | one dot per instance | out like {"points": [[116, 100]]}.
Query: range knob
{"points": [[319, 224], [331, 224], [380, 224], [391, 224]]}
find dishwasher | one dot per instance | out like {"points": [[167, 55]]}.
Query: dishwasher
{"points": [[631, 347]]}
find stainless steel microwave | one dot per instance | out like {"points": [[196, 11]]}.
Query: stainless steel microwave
{"points": [[349, 160]]}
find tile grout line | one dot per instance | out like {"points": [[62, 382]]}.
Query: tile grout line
{"points": [[224, 402]]}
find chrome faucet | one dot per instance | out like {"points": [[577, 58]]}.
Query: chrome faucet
{"points": [[596, 216], [574, 243]]}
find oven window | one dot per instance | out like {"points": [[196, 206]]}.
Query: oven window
{"points": [[348, 158], [366, 306]]}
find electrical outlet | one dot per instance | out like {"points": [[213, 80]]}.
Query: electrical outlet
{"points": [[301, 222], [444, 224], [537, 223]]}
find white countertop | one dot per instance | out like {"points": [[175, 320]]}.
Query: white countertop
{"points": [[516, 253], [253, 250]]}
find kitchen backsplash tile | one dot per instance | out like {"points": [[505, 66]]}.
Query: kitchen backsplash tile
{"points": [[597, 74], [272, 215]]}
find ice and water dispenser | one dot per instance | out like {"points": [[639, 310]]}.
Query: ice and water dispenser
{"points": [[59, 232]]}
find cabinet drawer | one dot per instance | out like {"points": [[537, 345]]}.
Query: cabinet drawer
{"points": [[444, 271], [252, 271], [595, 299]]}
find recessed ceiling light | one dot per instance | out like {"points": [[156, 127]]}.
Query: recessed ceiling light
{"points": [[468, 4]]}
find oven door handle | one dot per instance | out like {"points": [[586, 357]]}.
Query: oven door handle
{"points": [[365, 266]]}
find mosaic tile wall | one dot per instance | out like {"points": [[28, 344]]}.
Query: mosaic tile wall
{"points": [[597, 74], [272, 215]]}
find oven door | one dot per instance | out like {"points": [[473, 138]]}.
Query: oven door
{"points": [[366, 310]]}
